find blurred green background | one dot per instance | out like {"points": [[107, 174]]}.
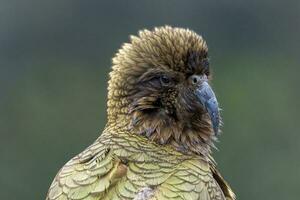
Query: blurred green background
{"points": [[55, 57]]}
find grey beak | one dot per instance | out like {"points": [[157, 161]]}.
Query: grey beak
{"points": [[209, 101]]}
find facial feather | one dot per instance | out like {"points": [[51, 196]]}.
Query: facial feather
{"points": [[152, 93]]}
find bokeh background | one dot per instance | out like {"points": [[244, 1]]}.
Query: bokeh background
{"points": [[54, 60]]}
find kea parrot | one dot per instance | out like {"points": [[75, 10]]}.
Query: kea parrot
{"points": [[162, 121]]}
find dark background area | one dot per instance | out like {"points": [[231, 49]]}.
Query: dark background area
{"points": [[54, 62]]}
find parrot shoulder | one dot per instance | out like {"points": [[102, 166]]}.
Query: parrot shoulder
{"points": [[194, 179], [89, 174]]}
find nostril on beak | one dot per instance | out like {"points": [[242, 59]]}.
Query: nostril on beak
{"points": [[197, 79]]}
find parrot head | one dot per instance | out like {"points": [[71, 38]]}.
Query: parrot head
{"points": [[159, 88]]}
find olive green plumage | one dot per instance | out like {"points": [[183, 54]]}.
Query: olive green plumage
{"points": [[128, 161]]}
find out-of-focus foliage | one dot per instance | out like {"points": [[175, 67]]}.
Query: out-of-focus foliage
{"points": [[54, 62]]}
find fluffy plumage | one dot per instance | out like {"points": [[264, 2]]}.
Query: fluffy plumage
{"points": [[162, 121]]}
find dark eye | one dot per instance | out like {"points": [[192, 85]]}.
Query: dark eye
{"points": [[165, 80]]}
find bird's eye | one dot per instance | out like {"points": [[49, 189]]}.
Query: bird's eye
{"points": [[165, 80]]}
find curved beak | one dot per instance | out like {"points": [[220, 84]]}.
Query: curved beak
{"points": [[208, 100]]}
